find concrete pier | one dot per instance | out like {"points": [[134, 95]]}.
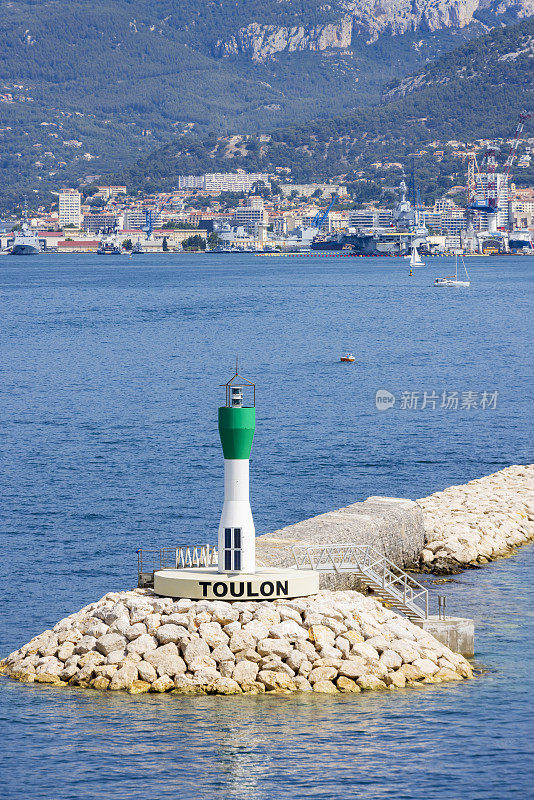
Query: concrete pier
{"points": [[456, 633]]}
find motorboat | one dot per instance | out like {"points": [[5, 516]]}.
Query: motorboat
{"points": [[348, 357]]}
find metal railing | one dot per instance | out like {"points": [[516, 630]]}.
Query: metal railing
{"points": [[181, 557], [372, 567]]}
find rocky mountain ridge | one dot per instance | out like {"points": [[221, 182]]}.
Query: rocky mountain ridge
{"points": [[367, 18]]}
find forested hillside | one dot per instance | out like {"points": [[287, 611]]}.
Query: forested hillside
{"points": [[475, 93], [86, 88]]}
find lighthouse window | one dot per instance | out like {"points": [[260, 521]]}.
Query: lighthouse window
{"points": [[232, 549]]}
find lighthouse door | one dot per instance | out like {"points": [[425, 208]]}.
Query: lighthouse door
{"points": [[232, 549]]}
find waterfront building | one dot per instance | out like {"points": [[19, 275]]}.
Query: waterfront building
{"points": [[370, 218], [93, 223], [503, 193], [251, 216], [70, 208]]}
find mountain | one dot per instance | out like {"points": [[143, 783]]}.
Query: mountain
{"points": [[475, 92], [88, 87]]}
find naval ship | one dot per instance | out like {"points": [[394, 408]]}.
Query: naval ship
{"points": [[26, 241], [405, 232]]}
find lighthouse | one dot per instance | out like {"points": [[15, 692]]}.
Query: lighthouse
{"points": [[234, 575], [237, 423]]}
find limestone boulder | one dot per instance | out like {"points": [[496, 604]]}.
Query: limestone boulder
{"points": [[166, 660], [168, 633], [142, 645], [325, 687], [213, 634], [107, 644], [245, 672]]}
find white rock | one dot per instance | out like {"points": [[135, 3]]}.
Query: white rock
{"points": [[288, 629], [106, 644], [166, 660], [142, 645], [213, 634], [171, 633], [245, 672]]}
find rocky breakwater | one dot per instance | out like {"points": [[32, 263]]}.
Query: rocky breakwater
{"points": [[331, 642], [475, 523]]}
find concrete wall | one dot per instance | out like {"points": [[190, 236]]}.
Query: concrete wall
{"points": [[391, 525]]}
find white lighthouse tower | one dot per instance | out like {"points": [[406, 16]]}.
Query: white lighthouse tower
{"points": [[237, 422]]}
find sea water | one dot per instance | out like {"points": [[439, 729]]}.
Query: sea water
{"points": [[110, 373]]}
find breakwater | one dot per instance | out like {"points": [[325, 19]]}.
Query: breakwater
{"points": [[479, 521], [328, 643], [391, 525], [459, 527]]}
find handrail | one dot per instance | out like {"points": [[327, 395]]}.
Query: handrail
{"points": [[381, 573], [181, 557]]}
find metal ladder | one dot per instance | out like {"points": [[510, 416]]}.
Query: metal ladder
{"points": [[388, 581]]}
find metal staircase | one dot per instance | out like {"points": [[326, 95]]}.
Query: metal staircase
{"points": [[388, 581]]}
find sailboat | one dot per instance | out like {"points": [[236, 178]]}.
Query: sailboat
{"points": [[452, 280], [415, 258]]}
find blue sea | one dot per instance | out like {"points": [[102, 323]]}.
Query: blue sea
{"points": [[110, 381]]}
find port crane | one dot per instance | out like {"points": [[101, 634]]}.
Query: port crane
{"points": [[148, 227], [493, 192], [321, 216]]}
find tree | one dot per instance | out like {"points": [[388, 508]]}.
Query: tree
{"points": [[127, 244], [194, 243], [165, 246], [214, 240]]}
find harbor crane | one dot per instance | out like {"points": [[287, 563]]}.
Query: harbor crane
{"points": [[493, 191], [322, 216]]}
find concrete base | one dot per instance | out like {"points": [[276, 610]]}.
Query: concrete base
{"points": [[457, 633], [207, 583]]}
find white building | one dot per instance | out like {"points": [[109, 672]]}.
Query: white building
{"points": [[370, 218], [251, 215], [70, 208], [217, 182], [502, 195]]}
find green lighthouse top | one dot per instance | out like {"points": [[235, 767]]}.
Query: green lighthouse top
{"points": [[236, 421]]}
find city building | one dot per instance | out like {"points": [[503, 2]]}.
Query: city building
{"points": [[502, 191], [370, 218], [70, 208], [110, 192], [93, 223], [217, 182], [251, 216], [309, 189]]}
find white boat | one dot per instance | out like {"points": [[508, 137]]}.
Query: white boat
{"points": [[25, 241], [452, 280], [415, 258]]}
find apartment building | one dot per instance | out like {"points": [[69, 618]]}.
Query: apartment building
{"points": [[70, 208]]}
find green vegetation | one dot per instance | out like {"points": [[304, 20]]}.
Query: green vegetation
{"points": [[450, 106], [194, 243], [88, 88]]}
